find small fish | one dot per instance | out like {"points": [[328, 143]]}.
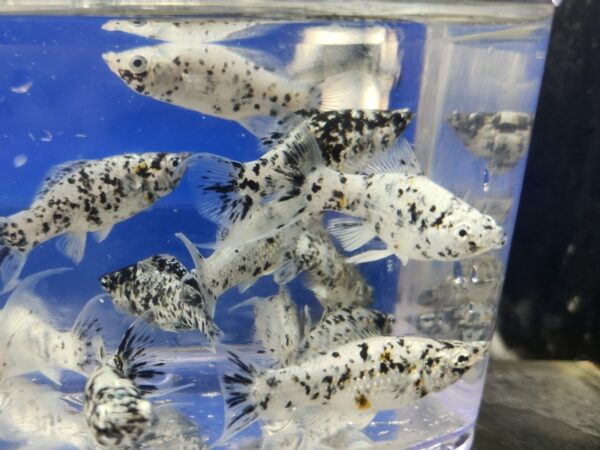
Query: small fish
{"points": [[501, 137], [391, 200], [86, 196], [191, 31], [31, 341], [362, 377], [349, 139], [286, 336], [234, 84], [115, 407], [38, 415], [161, 285], [301, 247]]}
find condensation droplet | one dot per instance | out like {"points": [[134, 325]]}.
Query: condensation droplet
{"points": [[457, 273], [20, 160], [46, 136], [31, 136], [574, 304], [486, 180], [23, 88], [81, 135], [556, 2], [474, 275]]}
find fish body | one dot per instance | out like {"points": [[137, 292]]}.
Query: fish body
{"points": [[115, 408], [31, 340], [363, 376], [189, 31], [161, 285], [38, 415], [391, 200], [212, 79], [502, 137], [86, 196]]}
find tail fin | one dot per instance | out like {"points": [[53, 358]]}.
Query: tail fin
{"points": [[138, 357], [241, 411], [12, 261], [250, 217], [87, 330], [278, 326]]}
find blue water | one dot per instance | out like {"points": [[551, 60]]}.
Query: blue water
{"points": [[59, 102]]}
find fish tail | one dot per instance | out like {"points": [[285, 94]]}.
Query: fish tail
{"points": [[196, 291], [12, 261], [241, 409], [249, 214], [139, 356]]}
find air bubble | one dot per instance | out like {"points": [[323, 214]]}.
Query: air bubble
{"points": [[486, 180], [23, 88], [457, 273], [20, 161], [556, 2], [474, 275]]}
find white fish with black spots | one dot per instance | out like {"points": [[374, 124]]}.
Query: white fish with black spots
{"points": [[501, 137], [301, 247], [414, 217], [191, 31], [360, 378], [234, 84], [115, 405], [31, 341], [163, 286], [37, 416], [88, 196]]}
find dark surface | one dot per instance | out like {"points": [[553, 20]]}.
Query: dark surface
{"points": [[540, 405], [551, 301]]}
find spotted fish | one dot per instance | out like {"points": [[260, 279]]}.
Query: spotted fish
{"points": [[287, 337], [115, 405], [414, 217], [502, 137], [361, 377], [31, 340], [234, 84], [86, 196], [301, 247], [191, 31], [38, 415], [161, 285]]}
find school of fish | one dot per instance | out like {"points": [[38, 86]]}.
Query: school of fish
{"points": [[335, 186]]}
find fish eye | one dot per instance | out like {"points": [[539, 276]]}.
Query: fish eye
{"points": [[138, 64], [463, 230]]}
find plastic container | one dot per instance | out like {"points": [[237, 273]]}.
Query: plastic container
{"points": [[470, 72]]}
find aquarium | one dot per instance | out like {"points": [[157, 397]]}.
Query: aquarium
{"points": [[257, 225]]}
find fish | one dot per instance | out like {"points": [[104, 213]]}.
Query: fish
{"points": [[116, 407], [501, 137], [232, 84], [359, 378], [37, 416], [86, 196], [301, 247], [391, 199], [287, 337], [31, 340], [349, 139], [191, 31], [160, 284]]}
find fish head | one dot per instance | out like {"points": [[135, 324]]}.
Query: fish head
{"points": [[468, 124], [120, 285], [153, 71], [170, 168], [455, 230], [449, 360], [139, 27]]}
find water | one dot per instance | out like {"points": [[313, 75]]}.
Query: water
{"points": [[60, 102]]}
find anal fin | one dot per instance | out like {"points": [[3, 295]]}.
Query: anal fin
{"points": [[100, 235], [369, 256], [352, 233], [72, 245]]}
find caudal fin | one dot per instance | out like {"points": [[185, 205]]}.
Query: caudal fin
{"points": [[140, 356], [241, 410], [11, 263], [225, 200]]}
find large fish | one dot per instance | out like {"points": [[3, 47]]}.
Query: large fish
{"points": [[391, 199], [82, 197]]}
